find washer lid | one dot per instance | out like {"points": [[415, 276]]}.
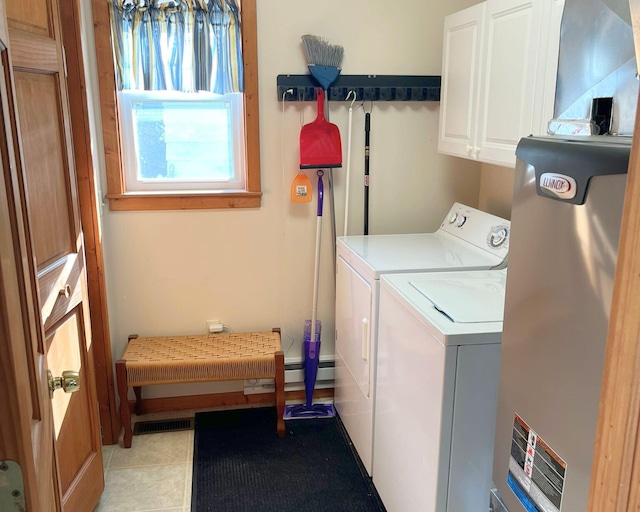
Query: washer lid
{"points": [[465, 299], [375, 255]]}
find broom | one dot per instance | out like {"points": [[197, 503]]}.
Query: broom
{"points": [[323, 61]]}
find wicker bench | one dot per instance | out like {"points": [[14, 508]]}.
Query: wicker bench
{"points": [[214, 357]]}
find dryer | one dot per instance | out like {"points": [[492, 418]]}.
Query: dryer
{"points": [[436, 390], [467, 239]]}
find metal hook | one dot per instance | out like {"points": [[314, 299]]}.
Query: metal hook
{"points": [[355, 97], [370, 108]]}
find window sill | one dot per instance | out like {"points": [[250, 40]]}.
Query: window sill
{"points": [[209, 201]]}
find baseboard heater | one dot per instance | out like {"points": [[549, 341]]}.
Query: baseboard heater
{"points": [[294, 377]]}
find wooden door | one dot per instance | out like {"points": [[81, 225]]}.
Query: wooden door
{"points": [[55, 237], [26, 434]]}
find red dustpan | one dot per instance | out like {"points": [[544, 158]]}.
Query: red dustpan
{"points": [[320, 145]]}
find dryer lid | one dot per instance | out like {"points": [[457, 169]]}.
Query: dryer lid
{"points": [[465, 299]]}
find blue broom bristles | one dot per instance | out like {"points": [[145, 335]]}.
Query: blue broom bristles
{"points": [[325, 75], [323, 59]]}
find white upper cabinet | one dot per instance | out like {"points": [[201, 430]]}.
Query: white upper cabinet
{"points": [[498, 83], [459, 97]]}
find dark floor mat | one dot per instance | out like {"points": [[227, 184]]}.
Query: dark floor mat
{"points": [[240, 465]]}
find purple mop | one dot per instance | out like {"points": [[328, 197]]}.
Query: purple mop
{"points": [[312, 329]]}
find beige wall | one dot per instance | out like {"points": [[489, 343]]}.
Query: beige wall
{"points": [[496, 190], [168, 272]]}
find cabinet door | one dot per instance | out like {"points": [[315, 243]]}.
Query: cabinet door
{"points": [[507, 90], [461, 72]]}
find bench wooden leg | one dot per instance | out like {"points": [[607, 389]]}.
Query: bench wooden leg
{"points": [[123, 391], [279, 391], [138, 392]]}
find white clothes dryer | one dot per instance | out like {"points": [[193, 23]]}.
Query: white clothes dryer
{"points": [[436, 391], [468, 239]]}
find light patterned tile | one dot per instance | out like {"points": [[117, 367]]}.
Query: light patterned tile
{"points": [[107, 452], [152, 488], [187, 487], [154, 449], [190, 445]]}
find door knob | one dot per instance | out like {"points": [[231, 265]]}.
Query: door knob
{"points": [[66, 291], [69, 382]]}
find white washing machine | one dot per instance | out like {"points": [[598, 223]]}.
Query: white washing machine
{"points": [[437, 385], [468, 239]]}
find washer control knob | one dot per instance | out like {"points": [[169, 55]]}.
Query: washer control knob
{"points": [[453, 217], [498, 236], [461, 220]]}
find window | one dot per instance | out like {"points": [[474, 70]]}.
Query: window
{"points": [[182, 142], [179, 150]]}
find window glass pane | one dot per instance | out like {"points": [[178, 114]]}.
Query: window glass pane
{"points": [[184, 140], [184, 143]]}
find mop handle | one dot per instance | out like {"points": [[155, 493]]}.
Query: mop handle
{"points": [[316, 279], [320, 193], [332, 202]]}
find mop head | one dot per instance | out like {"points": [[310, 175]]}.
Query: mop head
{"points": [[303, 411], [323, 59], [310, 364]]}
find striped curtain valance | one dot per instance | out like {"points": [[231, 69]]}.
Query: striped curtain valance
{"points": [[177, 45]]}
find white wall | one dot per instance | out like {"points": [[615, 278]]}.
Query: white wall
{"points": [[168, 272]]}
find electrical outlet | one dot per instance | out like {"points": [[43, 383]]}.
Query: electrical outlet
{"points": [[214, 326]]}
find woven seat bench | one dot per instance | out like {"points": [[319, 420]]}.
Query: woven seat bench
{"points": [[213, 357]]}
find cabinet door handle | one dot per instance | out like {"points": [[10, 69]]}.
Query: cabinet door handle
{"points": [[476, 152], [469, 149], [365, 339]]}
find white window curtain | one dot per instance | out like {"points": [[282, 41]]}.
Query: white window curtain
{"points": [[178, 45]]}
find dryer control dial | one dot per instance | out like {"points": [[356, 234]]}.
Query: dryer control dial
{"points": [[452, 218], [461, 220], [498, 236]]}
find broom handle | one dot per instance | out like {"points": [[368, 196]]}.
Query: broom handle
{"points": [[367, 129]]}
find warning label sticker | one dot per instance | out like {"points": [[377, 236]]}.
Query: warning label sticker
{"points": [[536, 472]]}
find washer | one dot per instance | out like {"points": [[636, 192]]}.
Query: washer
{"points": [[468, 239], [436, 392]]}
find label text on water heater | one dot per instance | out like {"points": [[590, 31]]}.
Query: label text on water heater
{"points": [[561, 186]]}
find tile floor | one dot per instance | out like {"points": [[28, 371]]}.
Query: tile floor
{"points": [[154, 475]]}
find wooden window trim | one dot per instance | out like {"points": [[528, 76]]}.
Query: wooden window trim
{"points": [[121, 200]]}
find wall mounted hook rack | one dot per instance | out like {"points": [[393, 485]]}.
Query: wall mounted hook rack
{"points": [[366, 87]]}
